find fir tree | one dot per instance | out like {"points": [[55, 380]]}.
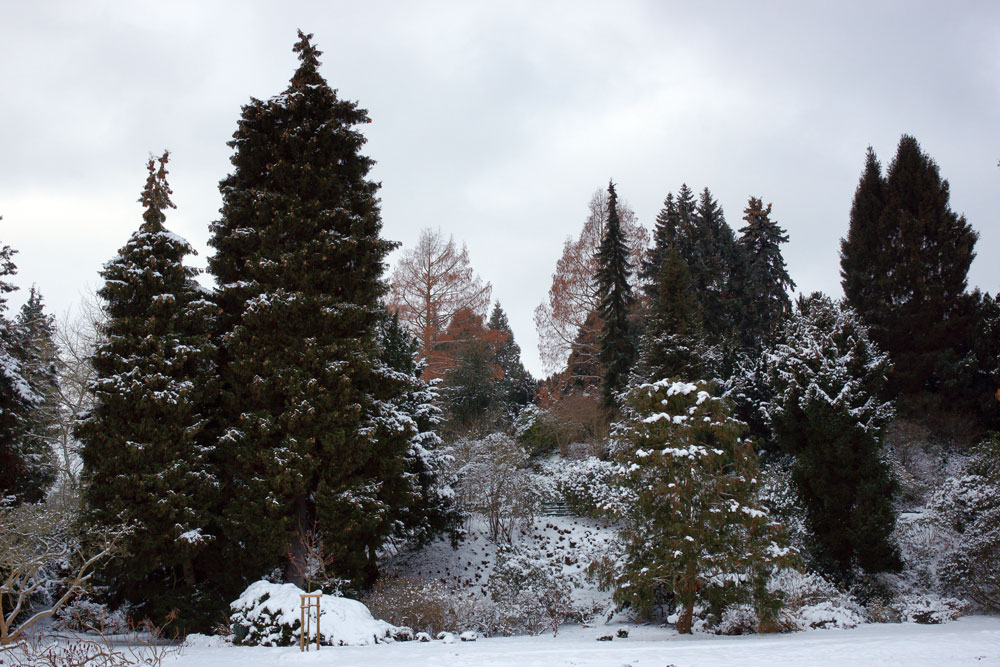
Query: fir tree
{"points": [[671, 346], [764, 281], [904, 266], [25, 470], [617, 350], [692, 532], [518, 385], [714, 286], [40, 362], [430, 508], [827, 377], [147, 442], [312, 436]]}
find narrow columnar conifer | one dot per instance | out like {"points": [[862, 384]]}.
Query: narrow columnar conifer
{"points": [[148, 442]]}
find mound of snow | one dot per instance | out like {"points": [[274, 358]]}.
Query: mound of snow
{"points": [[269, 614]]}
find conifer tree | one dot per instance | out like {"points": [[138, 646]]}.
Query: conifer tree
{"points": [[617, 350], [311, 433], [827, 377], [40, 363], [147, 442], [714, 287], [671, 345], [904, 266], [692, 530], [518, 385], [430, 509], [26, 469], [764, 282]]}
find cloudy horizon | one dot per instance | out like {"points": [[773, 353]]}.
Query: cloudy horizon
{"points": [[497, 124]]}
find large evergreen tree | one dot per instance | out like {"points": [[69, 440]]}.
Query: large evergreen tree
{"points": [[692, 530], [827, 377], [40, 362], [904, 265], [617, 349], [147, 442], [312, 437], [763, 279], [25, 465]]}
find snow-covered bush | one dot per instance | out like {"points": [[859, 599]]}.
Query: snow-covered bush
{"points": [[810, 601], [531, 593], [426, 605], [83, 615], [929, 609], [495, 483], [269, 614], [970, 506]]}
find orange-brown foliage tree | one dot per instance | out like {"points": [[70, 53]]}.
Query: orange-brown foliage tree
{"points": [[433, 281]]}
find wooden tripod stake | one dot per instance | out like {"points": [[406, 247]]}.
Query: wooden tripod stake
{"points": [[308, 602]]}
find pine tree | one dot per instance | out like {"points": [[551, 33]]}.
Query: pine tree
{"points": [[764, 281], [147, 442], [518, 385], [692, 531], [827, 377], [617, 350], [714, 286], [671, 345], [904, 266], [311, 433]]}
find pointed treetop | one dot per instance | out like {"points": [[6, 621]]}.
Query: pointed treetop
{"points": [[307, 73], [156, 195]]}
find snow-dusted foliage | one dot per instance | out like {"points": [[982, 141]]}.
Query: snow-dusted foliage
{"points": [[587, 486], [494, 482], [694, 533], [531, 593], [969, 505], [269, 614], [827, 378]]}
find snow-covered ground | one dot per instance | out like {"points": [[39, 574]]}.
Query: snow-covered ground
{"points": [[973, 640]]}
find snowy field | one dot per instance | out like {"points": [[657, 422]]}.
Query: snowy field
{"points": [[973, 640]]}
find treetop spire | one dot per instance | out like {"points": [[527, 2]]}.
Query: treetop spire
{"points": [[307, 73], [156, 195]]}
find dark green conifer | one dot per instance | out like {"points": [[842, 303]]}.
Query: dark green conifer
{"points": [[26, 464], [671, 345], [311, 435], [518, 387], [904, 266], [763, 280], [617, 350], [827, 376], [147, 442]]}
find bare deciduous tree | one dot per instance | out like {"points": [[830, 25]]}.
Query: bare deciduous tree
{"points": [[35, 541], [432, 282]]}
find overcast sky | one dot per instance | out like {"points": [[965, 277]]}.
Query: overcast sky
{"points": [[496, 121]]}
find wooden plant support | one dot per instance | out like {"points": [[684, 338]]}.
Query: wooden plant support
{"points": [[308, 602]]}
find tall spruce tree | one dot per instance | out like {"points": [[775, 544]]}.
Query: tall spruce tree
{"points": [[617, 349], [763, 279], [40, 362], [904, 265], [827, 376], [312, 437], [25, 467], [148, 441]]}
